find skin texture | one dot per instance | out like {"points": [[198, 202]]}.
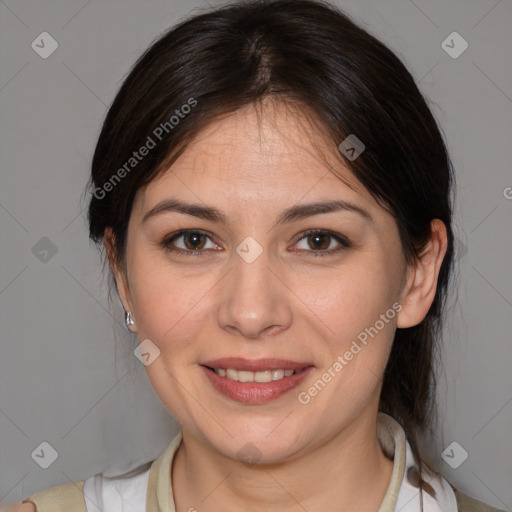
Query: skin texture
{"points": [[19, 507], [288, 304]]}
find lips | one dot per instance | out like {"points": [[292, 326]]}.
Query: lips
{"points": [[253, 392]]}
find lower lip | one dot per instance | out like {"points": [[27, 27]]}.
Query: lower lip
{"points": [[255, 392]]}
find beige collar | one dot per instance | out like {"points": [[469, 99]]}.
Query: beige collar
{"points": [[391, 436]]}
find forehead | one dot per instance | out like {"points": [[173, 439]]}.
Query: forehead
{"points": [[263, 154]]}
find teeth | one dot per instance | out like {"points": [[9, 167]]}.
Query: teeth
{"points": [[265, 376], [262, 376], [277, 374], [232, 374], [244, 376]]}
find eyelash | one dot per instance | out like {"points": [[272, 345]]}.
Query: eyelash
{"points": [[345, 244]]}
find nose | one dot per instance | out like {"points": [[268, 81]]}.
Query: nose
{"points": [[254, 300]]}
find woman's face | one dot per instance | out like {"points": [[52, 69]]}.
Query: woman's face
{"points": [[253, 285]]}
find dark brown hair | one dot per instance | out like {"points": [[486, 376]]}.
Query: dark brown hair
{"points": [[309, 54]]}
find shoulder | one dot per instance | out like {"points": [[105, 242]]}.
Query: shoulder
{"points": [[466, 503], [108, 494], [63, 498], [126, 492], [19, 507]]}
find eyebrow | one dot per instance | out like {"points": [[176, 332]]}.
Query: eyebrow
{"points": [[291, 214]]}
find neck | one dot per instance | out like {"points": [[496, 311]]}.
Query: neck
{"points": [[349, 470]]}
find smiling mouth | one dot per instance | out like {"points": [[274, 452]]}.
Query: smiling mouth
{"points": [[257, 381], [259, 376]]}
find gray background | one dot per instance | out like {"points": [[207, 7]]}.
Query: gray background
{"points": [[68, 374]]}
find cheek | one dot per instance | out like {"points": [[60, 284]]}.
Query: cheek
{"points": [[358, 308], [170, 307], [354, 297]]}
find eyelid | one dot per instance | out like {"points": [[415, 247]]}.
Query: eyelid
{"points": [[341, 239], [167, 241]]}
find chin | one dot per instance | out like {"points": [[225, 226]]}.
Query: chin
{"points": [[257, 442]]}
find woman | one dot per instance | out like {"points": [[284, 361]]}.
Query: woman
{"points": [[274, 197]]}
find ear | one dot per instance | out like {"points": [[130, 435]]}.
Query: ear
{"points": [[421, 281], [123, 289]]}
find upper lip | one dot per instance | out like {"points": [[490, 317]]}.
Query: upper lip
{"points": [[255, 365]]}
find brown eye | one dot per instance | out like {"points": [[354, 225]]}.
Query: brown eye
{"points": [[189, 242], [323, 243], [319, 240], [194, 240]]}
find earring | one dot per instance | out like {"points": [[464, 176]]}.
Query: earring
{"points": [[128, 320]]}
